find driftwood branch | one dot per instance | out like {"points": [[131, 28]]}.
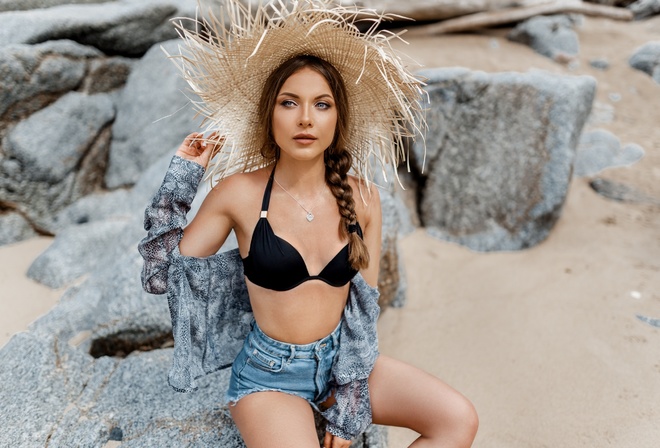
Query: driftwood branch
{"points": [[512, 15]]}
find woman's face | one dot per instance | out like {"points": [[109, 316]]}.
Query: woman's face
{"points": [[305, 116]]}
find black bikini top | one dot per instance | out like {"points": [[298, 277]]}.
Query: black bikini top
{"points": [[275, 264]]}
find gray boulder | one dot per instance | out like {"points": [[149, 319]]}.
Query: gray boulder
{"points": [[647, 59], [600, 149], [14, 228], [107, 74], [128, 27], [77, 251], [34, 75], [619, 192], [51, 142], [643, 9], [551, 36], [500, 152], [120, 204], [21, 5], [153, 117], [56, 155]]}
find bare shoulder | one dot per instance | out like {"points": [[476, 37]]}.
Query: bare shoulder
{"points": [[239, 191]]}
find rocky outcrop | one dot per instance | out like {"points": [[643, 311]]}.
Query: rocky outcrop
{"points": [[52, 157], [647, 59], [55, 117], [128, 27], [619, 192], [35, 75], [153, 116], [600, 149], [22, 5], [551, 36], [56, 155], [500, 152], [643, 9], [14, 227]]}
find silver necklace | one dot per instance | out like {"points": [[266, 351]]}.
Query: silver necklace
{"points": [[310, 215]]}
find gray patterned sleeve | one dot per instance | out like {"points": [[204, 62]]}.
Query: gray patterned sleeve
{"points": [[164, 220]]}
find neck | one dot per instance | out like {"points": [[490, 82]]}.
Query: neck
{"points": [[304, 176]]}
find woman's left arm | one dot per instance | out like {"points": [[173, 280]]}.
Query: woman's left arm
{"points": [[373, 221]]}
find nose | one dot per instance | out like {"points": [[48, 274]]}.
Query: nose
{"points": [[305, 119]]}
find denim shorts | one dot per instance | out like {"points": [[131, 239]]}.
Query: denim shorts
{"points": [[265, 364]]}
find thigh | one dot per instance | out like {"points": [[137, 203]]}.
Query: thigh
{"points": [[275, 419], [403, 395]]}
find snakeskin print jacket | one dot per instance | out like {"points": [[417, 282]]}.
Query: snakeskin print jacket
{"points": [[211, 313]]}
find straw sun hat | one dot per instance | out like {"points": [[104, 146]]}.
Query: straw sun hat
{"points": [[227, 57]]}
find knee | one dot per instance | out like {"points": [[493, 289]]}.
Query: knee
{"points": [[471, 420], [457, 423], [465, 422]]}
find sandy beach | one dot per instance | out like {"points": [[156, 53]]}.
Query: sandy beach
{"points": [[546, 342]]}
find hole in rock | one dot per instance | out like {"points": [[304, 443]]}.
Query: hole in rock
{"points": [[121, 344], [116, 434]]}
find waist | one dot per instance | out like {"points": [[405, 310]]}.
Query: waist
{"points": [[281, 348]]}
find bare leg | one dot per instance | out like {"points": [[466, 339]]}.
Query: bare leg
{"points": [[275, 419], [403, 395]]}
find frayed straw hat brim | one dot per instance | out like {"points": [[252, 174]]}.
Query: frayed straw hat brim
{"points": [[227, 57]]}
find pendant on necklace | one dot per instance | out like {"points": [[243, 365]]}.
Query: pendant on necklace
{"points": [[310, 217]]}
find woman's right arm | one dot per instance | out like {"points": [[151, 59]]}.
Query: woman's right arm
{"points": [[165, 217]]}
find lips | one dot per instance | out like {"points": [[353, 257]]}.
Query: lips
{"points": [[304, 139]]}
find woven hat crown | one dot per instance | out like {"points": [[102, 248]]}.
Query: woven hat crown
{"points": [[228, 55]]}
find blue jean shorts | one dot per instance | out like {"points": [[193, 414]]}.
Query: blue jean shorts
{"points": [[265, 364]]}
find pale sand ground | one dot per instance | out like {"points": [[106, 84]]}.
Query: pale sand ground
{"points": [[545, 342]]}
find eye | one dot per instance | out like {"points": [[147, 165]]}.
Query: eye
{"points": [[288, 103], [323, 105]]}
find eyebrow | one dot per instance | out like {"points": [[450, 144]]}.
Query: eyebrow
{"points": [[293, 95]]}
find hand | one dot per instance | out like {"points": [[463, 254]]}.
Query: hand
{"points": [[198, 149], [330, 441]]}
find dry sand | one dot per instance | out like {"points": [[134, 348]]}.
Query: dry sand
{"points": [[545, 342]]}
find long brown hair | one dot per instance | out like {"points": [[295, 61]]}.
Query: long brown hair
{"points": [[338, 160]]}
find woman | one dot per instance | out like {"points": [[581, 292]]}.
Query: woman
{"points": [[305, 243]]}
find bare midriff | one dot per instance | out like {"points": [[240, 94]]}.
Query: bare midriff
{"points": [[304, 314]]}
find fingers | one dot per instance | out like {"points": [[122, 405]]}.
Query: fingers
{"points": [[200, 149], [330, 441]]}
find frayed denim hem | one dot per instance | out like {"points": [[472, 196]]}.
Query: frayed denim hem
{"points": [[232, 401]]}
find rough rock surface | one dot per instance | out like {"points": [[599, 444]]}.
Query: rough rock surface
{"points": [[621, 192], [600, 149], [551, 36], [54, 130], [33, 74], [56, 155], [128, 27], [153, 117], [21, 5], [647, 59], [76, 251], [500, 152], [643, 9], [14, 228], [33, 141]]}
